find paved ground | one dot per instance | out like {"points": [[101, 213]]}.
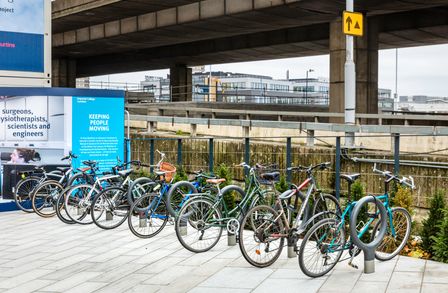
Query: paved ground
{"points": [[45, 255]]}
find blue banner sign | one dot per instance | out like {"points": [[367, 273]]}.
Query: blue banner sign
{"points": [[98, 129]]}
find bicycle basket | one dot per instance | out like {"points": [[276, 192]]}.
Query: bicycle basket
{"points": [[169, 169]]}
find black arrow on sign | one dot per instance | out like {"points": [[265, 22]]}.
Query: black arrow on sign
{"points": [[349, 22]]}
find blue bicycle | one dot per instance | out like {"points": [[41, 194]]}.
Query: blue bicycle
{"points": [[323, 245]]}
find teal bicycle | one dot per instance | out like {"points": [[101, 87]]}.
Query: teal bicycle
{"points": [[323, 245]]}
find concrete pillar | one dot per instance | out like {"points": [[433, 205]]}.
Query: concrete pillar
{"points": [[181, 83], [64, 73], [193, 129], [246, 131], [310, 138], [366, 60]]}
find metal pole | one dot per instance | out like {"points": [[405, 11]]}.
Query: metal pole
{"points": [[151, 155], [288, 160], [337, 179], [210, 83], [247, 154], [211, 155], [306, 87], [396, 75], [396, 153], [350, 83], [179, 152]]}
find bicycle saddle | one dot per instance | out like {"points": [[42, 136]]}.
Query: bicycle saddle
{"points": [[125, 173], [287, 194], [350, 177], [89, 163], [273, 176], [63, 169], [215, 181]]}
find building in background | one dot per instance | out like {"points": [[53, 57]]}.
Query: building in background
{"points": [[422, 104], [251, 88], [158, 86]]}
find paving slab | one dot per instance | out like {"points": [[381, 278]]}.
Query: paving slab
{"points": [[45, 255]]}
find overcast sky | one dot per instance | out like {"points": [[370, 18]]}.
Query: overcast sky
{"points": [[421, 70]]}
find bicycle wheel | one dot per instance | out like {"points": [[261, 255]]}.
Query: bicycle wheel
{"points": [[76, 179], [393, 244], [322, 248], [148, 216], [177, 195], [44, 198], [139, 187], [60, 210], [261, 236], [78, 201], [234, 193], [325, 206], [23, 191], [199, 225], [110, 208]]}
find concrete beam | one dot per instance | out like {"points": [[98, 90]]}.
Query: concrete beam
{"points": [[163, 18]]}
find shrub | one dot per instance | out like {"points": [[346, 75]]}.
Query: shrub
{"points": [[181, 175], [440, 246], [403, 198], [357, 190], [140, 173], [282, 185], [222, 171], [432, 223], [180, 132]]}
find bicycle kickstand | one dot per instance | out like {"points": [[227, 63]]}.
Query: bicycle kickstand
{"points": [[354, 253]]}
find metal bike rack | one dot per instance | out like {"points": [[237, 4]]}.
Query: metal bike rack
{"points": [[368, 249]]}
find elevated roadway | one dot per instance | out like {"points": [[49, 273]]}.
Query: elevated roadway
{"points": [[112, 36]]}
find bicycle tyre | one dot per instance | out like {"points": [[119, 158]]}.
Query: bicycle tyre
{"points": [[107, 205], [310, 241], [257, 254], [44, 196], [321, 206], [77, 205], [60, 212], [22, 191], [176, 195], [190, 214], [138, 188], [387, 240], [142, 218]]}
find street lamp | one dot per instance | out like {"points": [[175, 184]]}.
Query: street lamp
{"points": [[306, 85]]}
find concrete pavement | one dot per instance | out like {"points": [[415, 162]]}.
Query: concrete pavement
{"points": [[45, 255]]}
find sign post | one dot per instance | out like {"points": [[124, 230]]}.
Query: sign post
{"points": [[351, 25]]}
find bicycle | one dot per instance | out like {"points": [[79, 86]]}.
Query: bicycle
{"points": [[148, 215], [265, 227], [323, 245], [202, 219], [45, 195], [180, 192], [27, 184]]}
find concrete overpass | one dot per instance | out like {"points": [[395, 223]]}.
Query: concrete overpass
{"points": [[113, 36]]}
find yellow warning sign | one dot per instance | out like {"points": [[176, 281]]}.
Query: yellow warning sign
{"points": [[352, 23]]}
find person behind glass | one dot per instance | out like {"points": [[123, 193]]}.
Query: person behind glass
{"points": [[23, 156]]}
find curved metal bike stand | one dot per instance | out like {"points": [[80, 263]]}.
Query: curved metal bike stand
{"points": [[369, 248]]}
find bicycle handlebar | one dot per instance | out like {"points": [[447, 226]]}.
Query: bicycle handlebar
{"points": [[404, 180], [321, 166], [69, 156]]}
